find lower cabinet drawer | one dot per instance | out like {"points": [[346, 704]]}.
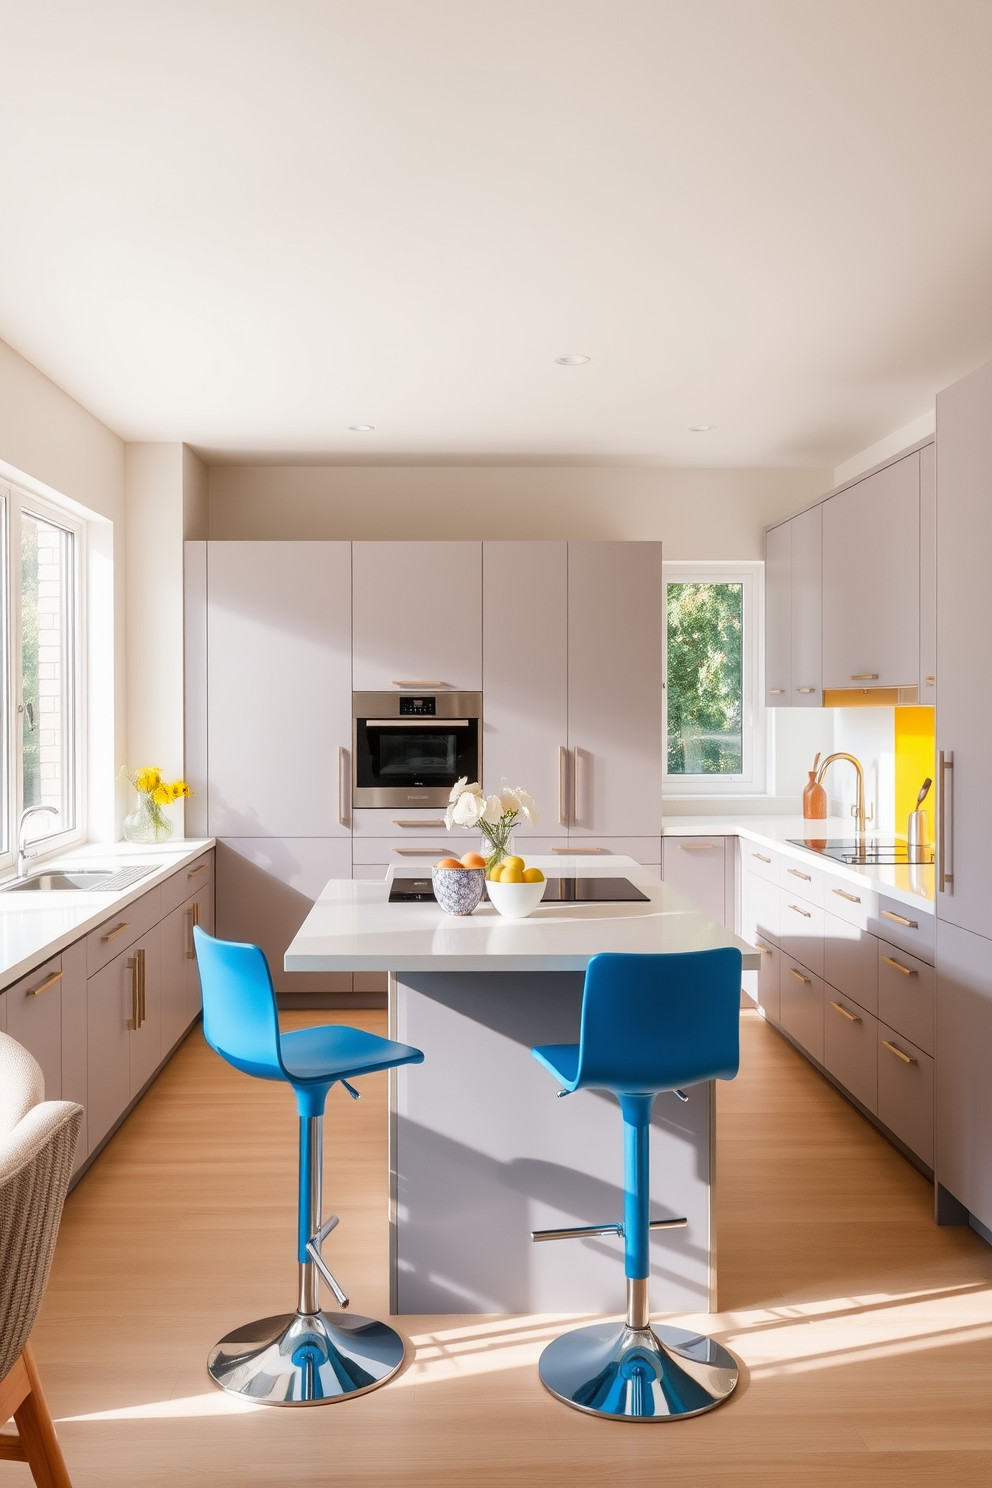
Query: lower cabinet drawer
{"points": [[905, 926], [850, 1046], [801, 1006], [906, 996], [905, 1092], [762, 908], [768, 979], [850, 960], [802, 932]]}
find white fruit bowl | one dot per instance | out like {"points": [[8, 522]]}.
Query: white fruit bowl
{"points": [[516, 900]]}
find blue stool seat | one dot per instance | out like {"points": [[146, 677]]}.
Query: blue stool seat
{"points": [[649, 1024], [306, 1357]]}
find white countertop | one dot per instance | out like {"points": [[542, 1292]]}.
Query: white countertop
{"points": [[35, 926], [913, 885], [353, 927]]}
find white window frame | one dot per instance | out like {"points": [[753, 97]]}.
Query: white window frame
{"points": [[17, 500], [753, 779]]}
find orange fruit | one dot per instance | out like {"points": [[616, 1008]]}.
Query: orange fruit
{"points": [[533, 875], [473, 860], [450, 863]]}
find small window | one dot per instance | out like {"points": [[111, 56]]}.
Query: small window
{"points": [[40, 654], [714, 744]]}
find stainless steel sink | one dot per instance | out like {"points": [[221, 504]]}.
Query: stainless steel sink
{"points": [[103, 880]]}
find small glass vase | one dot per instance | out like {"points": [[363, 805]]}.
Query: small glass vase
{"points": [[148, 823], [496, 845]]}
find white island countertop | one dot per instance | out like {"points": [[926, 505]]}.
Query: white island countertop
{"points": [[35, 926], [913, 885], [353, 927]]}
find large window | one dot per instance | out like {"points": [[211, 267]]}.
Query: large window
{"points": [[714, 742], [41, 651]]}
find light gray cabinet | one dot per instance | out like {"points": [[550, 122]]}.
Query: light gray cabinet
{"points": [[964, 1088], [702, 868], [850, 1047], [525, 678], [109, 999], [417, 615], [871, 580], [143, 970], [792, 612], [905, 1091], [801, 1005], [34, 1019], [928, 576], [768, 991], [614, 688], [278, 680]]}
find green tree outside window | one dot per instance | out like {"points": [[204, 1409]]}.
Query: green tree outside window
{"points": [[705, 679]]}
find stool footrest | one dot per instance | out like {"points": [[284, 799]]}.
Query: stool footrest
{"points": [[313, 1251], [581, 1232]]}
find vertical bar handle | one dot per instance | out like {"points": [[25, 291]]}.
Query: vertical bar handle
{"points": [[945, 822], [575, 786], [194, 919], [140, 957], [132, 966], [562, 784], [343, 812]]}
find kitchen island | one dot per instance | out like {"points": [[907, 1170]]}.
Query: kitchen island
{"points": [[481, 1150]]}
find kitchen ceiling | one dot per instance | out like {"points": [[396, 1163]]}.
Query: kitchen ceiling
{"points": [[250, 225]]}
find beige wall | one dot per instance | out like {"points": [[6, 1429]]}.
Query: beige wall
{"points": [[698, 514], [50, 440]]}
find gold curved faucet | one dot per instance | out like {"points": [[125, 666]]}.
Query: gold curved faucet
{"points": [[858, 809]]}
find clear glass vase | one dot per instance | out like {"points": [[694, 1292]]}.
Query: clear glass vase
{"points": [[148, 823], [497, 843]]}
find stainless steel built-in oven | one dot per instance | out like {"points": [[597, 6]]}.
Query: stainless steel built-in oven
{"points": [[409, 749]]}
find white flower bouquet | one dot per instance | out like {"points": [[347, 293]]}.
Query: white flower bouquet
{"points": [[495, 816]]}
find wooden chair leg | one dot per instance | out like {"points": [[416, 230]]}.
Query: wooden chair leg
{"points": [[37, 1432]]}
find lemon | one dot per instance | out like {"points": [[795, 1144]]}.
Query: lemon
{"points": [[512, 875], [533, 875], [513, 862], [495, 873]]}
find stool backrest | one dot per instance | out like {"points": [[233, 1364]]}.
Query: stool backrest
{"points": [[239, 1005], [652, 1023]]}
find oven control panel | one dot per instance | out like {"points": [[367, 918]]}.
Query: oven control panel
{"points": [[418, 707]]}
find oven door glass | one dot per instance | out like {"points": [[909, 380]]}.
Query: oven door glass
{"points": [[415, 753]]}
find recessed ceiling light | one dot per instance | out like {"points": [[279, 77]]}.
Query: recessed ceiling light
{"points": [[361, 428], [701, 428], [573, 359]]}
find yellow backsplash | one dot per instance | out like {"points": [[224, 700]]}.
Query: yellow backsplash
{"points": [[916, 758]]}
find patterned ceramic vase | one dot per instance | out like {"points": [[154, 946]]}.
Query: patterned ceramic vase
{"points": [[458, 890]]}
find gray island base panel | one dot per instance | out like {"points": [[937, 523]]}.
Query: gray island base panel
{"points": [[483, 1152]]}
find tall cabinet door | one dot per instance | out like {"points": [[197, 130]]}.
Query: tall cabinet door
{"points": [[964, 1092], [964, 717], [614, 687], [807, 690], [418, 618], [871, 580], [525, 676], [778, 616], [278, 688]]}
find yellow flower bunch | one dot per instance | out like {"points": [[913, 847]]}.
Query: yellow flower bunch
{"points": [[149, 782]]}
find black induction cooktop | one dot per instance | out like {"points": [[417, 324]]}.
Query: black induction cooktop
{"points": [[558, 891], [868, 852]]}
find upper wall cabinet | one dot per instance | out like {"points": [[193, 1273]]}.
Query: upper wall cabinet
{"points": [[418, 616], [278, 689], [792, 612], [871, 580]]}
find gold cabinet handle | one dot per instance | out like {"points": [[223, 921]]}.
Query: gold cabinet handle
{"points": [[945, 823], [423, 852], [805, 689], [580, 849], [761, 857], [804, 912], [343, 815], [575, 786], [201, 868], [117, 930], [56, 976], [864, 676], [799, 976], [898, 966], [765, 950], [420, 682], [562, 783], [697, 847], [843, 894], [900, 920], [897, 1052], [798, 873], [851, 1017], [427, 821], [776, 691], [194, 919]]}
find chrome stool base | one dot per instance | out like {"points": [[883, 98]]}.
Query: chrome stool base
{"points": [[306, 1358], [638, 1374]]}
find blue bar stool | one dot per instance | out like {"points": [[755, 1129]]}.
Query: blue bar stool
{"points": [[649, 1024], [306, 1357]]}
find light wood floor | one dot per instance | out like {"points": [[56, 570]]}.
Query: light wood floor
{"points": [[866, 1332]]}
